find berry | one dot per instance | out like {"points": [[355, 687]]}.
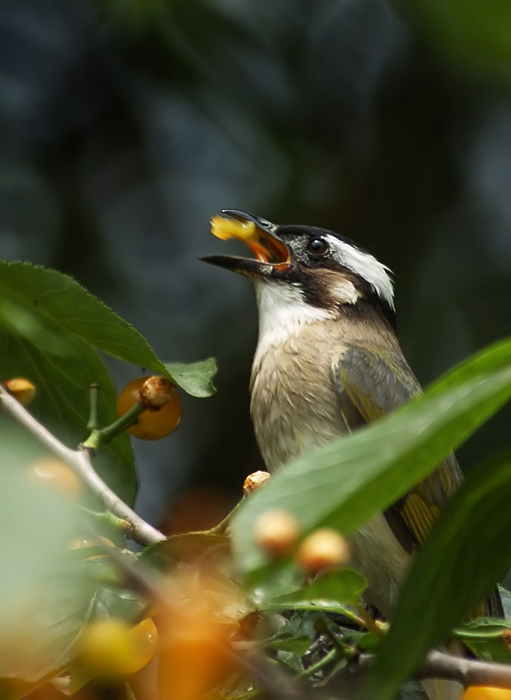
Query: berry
{"points": [[109, 648], [276, 531], [163, 411], [22, 389], [323, 549], [484, 692], [57, 475]]}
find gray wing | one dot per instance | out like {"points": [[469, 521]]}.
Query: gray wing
{"points": [[369, 385]]}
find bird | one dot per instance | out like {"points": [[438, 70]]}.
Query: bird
{"points": [[328, 361]]}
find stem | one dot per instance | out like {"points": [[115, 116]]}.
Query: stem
{"points": [[368, 621], [109, 519], [93, 422], [79, 461], [100, 436], [339, 646], [320, 664], [223, 525]]}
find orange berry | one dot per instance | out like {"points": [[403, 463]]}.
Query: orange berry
{"points": [[57, 475], [22, 389], [145, 638], [191, 659], [321, 550], [485, 692], [111, 649], [276, 531], [164, 413]]}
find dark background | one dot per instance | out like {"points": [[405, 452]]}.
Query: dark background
{"points": [[126, 124]]}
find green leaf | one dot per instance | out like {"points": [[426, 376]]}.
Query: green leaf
{"points": [[61, 298], [345, 483], [290, 660], [313, 606], [36, 525], [468, 551], [195, 378], [293, 645], [299, 626], [485, 639], [64, 300], [344, 586], [62, 366], [279, 581], [505, 596], [50, 329]]}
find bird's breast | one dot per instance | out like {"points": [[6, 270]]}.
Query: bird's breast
{"points": [[294, 404], [294, 409]]}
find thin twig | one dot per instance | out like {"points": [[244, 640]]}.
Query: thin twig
{"points": [[93, 422], [79, 461]]}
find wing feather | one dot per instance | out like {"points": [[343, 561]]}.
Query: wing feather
{"points": [[376, 384], [369, 385]]}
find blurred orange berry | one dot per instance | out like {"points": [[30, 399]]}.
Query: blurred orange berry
{"points": [[164, 408], [145, 638], [22, 389], [57, 475], [484, 692], [192, 657], [323, 549], [276, 531]]}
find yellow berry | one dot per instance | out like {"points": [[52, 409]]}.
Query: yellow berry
{"points": [[224, 228], [276, 531], [109, 648], [145, 638], [323, 549], [22, 389]]}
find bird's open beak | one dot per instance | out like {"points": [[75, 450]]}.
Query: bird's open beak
{"points": [[271, 254]]}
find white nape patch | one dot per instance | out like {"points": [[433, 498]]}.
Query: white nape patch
{"points": [[365, 265], [283, 310], [344, 292]]}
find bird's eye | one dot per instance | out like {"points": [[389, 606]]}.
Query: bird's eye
{"points": [[317, 246]]}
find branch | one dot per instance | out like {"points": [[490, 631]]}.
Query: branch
{"points": [[443, 666], [140, 531], [437, 665]]}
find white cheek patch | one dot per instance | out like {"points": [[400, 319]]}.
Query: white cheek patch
{"points": [[344, 292], [366, 266]]}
